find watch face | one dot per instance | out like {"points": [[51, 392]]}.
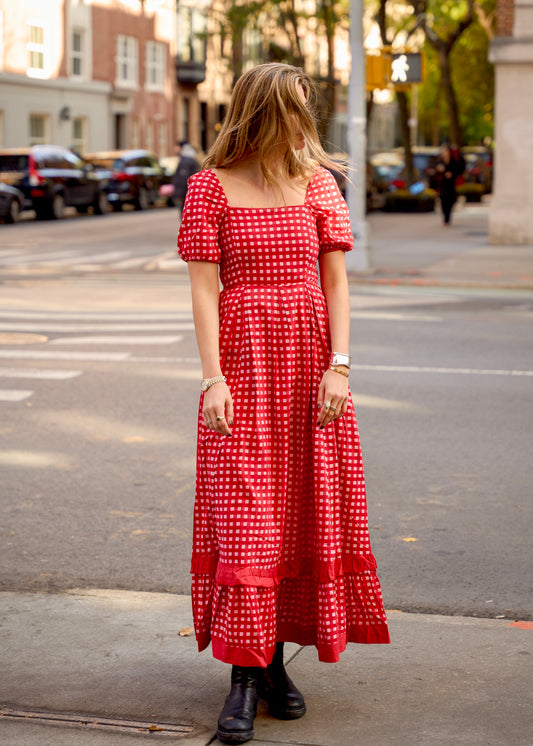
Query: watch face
{"points": [[341, 359]]}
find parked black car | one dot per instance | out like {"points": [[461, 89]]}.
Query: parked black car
{"points": [[11, 202], [133, 177], [52, 178]]}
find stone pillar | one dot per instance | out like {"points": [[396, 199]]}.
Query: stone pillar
{"points": [[511, 210]]}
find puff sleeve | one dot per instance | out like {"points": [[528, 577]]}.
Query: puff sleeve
{"points": [[331, 212], [203, 211]]}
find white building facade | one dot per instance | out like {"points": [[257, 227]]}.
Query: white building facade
{"points": [[88, 74], [511, 210]]}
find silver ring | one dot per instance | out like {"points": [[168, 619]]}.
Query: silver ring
{"points": [[332, 407], [219, 417]]}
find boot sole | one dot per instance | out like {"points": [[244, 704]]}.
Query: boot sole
{"points": [[293, 714], [235, 736]]}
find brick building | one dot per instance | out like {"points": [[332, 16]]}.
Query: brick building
{"points": [[511, 216], [92, 74]]}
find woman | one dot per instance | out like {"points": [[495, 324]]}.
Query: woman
{"points": [[448, 168], [281, 549]]}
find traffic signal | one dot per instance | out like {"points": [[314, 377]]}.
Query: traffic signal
{"points": [[406, 67]]}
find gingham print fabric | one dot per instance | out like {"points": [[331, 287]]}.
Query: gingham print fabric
{"points": [[281, 550]]}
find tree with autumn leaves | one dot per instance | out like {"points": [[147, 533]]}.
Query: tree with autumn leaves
{"points": [[456, 98]]}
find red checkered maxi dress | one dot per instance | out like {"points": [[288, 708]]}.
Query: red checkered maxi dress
{"points": [[281, 550]]}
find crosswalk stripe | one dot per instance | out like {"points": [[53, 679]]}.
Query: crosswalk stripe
{"points": [[387, 316], [106, 357], [130, 263], [91, 259], [43, 373], [14, 394], [116, 340], [91, 327], [38, 258], [96, 315]]}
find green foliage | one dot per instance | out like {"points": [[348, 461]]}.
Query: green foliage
{"points": [[472, 74], [473, 81]]}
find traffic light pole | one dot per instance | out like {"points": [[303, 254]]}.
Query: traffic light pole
{"points": [[357, 260]]}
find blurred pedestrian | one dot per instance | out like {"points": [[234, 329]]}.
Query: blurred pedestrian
{"points": [[450, 165], [281, 550], [186, 167]]}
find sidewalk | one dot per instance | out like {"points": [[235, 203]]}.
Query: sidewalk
{"points": [[96, 654], [418, 250]]}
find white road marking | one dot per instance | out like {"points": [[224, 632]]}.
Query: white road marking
{"points": [[427, 369], [34, 459], [68, 258], [43, 373], [106, 357], [385, 316], [126, 357], [38, 258], [126, 340], [14, 394], [138, 261], [90, 327], [96, 315]]}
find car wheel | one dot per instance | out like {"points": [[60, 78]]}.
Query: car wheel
{"points": [[101, 205], [13, 214], [142, 202], [57, 207]]}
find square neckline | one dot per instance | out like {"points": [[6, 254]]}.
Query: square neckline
{"points": [[280, 207]]}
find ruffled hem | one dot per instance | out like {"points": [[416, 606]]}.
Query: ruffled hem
{"points": [[327, 653], [322, 572]]}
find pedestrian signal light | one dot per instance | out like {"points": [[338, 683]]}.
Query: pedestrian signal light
{"points": [[406, 67]]}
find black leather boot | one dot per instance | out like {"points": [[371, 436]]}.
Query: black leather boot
{"points": [[285, 702], [236, 721]]}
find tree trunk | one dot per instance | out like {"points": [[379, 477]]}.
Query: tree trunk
{"points": [[403, 105], [456, 134]]}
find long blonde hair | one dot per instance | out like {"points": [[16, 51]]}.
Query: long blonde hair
{"points": [[260, 123]]}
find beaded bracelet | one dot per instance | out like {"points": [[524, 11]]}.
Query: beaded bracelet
{"points": [[340, 370]]}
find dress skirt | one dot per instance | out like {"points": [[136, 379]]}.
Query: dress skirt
{"points": [[281, 548]]}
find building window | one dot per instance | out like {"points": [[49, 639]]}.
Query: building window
{"points": [[162, 137], [38, 129], [77, 53], [135, 134], [192, 28], [1, 40], [155, 65], [127, 61], [185, 123], [149, 136], [38, 61], [79, 139]]}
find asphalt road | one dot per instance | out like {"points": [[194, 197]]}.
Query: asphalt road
{"points": [[98, 415]]}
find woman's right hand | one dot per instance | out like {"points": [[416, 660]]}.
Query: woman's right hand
{"points": [[218, 408]]}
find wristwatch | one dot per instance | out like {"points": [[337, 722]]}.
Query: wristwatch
{"points": [[339, 358], [208, 382]]}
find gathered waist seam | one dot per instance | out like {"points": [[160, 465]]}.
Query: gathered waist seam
{"points": [[270, 285]]}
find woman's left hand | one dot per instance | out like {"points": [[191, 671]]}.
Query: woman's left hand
{"points": [[332, 397]]}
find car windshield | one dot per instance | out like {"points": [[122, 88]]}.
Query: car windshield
{"points": [[101, 162], [118, 164], [13, 162]]}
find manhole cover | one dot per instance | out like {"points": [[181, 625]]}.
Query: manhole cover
{"points": [[17, 338], [134, 727]]}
